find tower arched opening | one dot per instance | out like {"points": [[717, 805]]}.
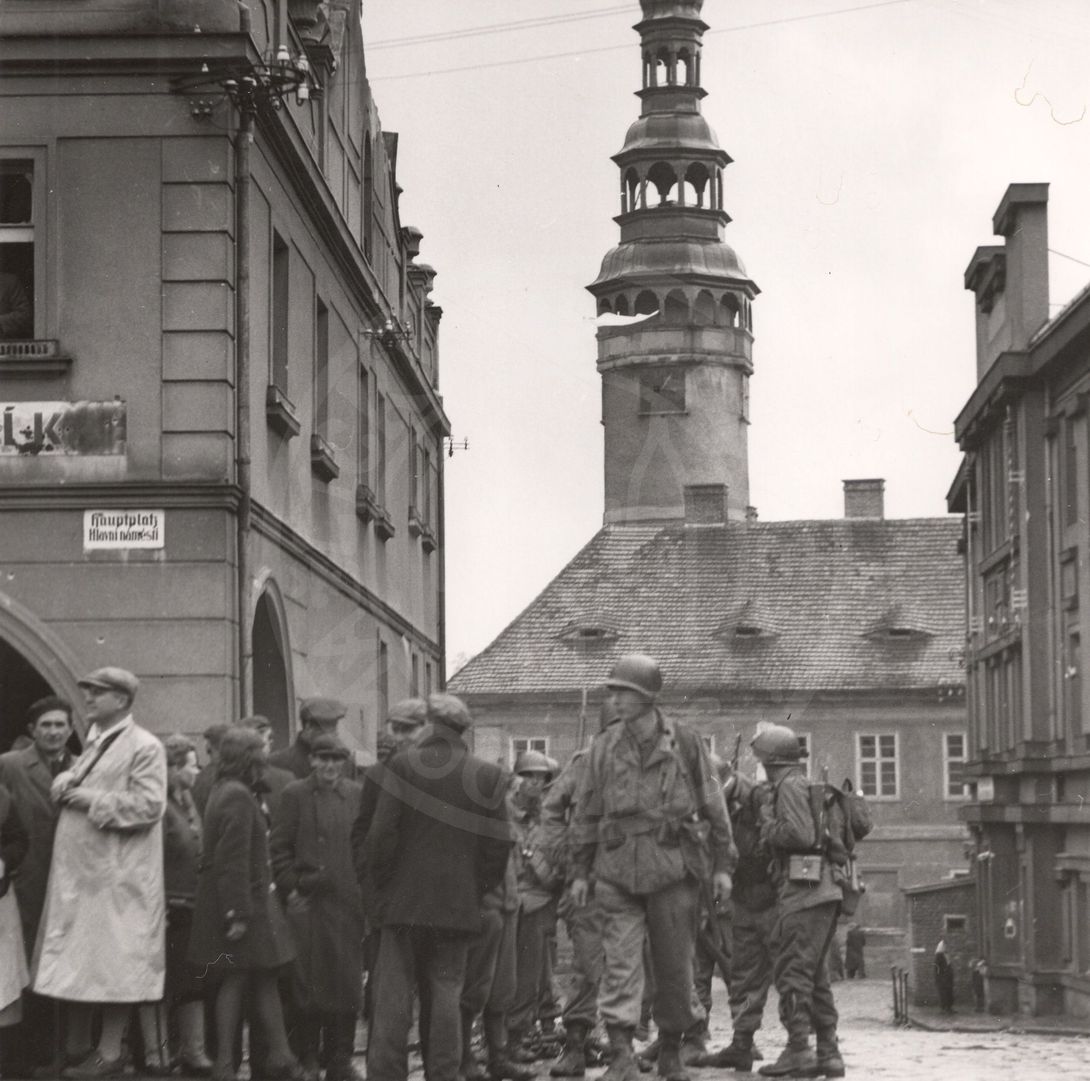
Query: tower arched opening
{"points": [[633, 189], [664, 178], [646, 303], [604, 307], [696, 179], [731, 313], [686, 69], [704, 309], [676, 309], [620, 305], [660, 70]]}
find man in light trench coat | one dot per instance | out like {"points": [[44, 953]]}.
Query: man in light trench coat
{"points": [[101, 937]]}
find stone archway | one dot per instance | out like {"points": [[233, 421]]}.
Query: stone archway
{"points": [[34, 662], [272, 682]]}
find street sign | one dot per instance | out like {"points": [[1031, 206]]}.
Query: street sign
{"points": [[115, 529]]}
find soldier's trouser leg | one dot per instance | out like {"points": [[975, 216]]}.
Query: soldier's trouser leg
{"points": [[801, 939], [533, 941], [750, 969], [623, 932], [585, 931], [501, 996], [671, 930]]}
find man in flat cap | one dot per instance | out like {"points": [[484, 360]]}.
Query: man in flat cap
{"points": [[316, 715], [439, 840], [101, 935]]}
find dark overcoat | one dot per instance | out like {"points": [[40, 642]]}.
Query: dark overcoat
{"points": [[439, 838], [27, 776], [235, 878], [312, 854]]}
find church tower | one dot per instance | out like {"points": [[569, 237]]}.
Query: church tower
{"points": [[675, 343]]}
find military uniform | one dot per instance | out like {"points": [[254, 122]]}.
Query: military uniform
{"points": [[634, 808], [805, 921]]}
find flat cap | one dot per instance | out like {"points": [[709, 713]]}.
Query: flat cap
{"points": [[326, 745], [450, 710], [258, 722], [112, 679], [409, 711], [323, 711]]}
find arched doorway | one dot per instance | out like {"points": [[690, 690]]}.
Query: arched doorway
{"points": [[271, 691], [21, 684], [34, 662]]}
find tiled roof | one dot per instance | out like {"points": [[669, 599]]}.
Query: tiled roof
{"points": [[843, 604]]}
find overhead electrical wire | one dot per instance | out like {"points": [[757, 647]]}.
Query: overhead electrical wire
{"points": [[500, 28], [616, 48]]}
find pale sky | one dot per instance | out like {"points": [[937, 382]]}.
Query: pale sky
{"points": [[871, 146]]}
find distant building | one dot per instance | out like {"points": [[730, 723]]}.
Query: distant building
{"points": [[1023, 489], [221, 459], [850, 629]]}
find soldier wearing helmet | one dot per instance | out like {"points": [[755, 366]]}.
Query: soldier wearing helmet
{"points": [[808, 907], [650, 821]]}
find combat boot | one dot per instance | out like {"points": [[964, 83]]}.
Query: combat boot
{"points": [[793, 1062], [670, 1067], [737, 1055], [622, 1066], [829, 1062], [573, 1059], [694, 1044]]}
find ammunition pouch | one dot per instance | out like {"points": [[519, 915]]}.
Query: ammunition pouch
{"points": [[805, 867]]}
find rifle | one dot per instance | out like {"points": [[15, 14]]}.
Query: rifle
{"points": [[710, 936]]}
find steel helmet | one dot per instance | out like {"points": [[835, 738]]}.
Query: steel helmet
{"points": [[777, 745], [533, 762], [636, 672]]}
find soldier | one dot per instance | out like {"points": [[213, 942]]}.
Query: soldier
{"points": [[650, 822], [754, 912], [538, 885], [584, 924], [809, 904]]}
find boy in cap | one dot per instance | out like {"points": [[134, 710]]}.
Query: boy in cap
{"points": [[315, 715], [311, 854]]}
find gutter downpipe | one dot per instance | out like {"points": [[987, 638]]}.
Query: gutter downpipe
{"points": [[243, 142]]}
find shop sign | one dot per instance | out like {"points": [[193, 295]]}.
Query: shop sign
{"points": [[114, 529], [62, 429]]}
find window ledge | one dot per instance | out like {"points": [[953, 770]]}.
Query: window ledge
{"points": [[416, 523], [367, 509], [323, 461], [280, 413], [428, 540], [384, 525], [33, 358]]}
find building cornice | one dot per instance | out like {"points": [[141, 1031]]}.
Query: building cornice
{"points": [[266, 523], [167, 495]]}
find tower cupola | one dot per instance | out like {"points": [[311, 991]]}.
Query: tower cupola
{"points": [[674, 344]]}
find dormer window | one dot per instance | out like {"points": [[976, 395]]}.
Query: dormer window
{"points": [[751, 621], [898, 625], [587, 633], [748, 630]]}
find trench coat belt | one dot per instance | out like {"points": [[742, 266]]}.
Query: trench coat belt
{"points": [[634, 825]]}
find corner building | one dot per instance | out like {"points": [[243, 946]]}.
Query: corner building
{"points": [[848, 629], [221, 456], [1023, 487]]}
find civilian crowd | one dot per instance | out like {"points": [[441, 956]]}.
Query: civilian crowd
{"points": [[176, 918]]}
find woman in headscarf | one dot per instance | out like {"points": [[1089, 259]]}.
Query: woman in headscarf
{"points": [[240, 936]]}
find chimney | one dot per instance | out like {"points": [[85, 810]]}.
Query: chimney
{"points": [[1011, 280], [864, 499], [705, 504]]}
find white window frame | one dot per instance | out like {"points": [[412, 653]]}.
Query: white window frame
{"points": [[947, 759], [517, 744], [807, 763], [859, 760], [36, 155]]}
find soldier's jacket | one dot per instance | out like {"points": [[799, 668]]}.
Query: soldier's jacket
{"points": [[788, 828], [557, 810], [633, 818], [753, 887], [538, 881]]}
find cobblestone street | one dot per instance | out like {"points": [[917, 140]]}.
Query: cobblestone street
{"points": [[873, 1048]]}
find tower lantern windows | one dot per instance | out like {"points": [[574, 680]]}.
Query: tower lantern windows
{"points": [[646, 303], [664, 178]]}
